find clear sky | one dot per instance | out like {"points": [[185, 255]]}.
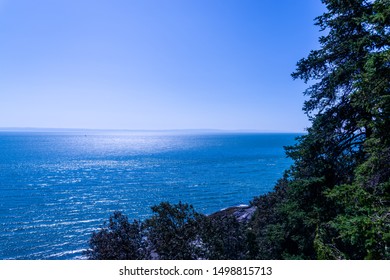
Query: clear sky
{"points": [[174, 64]]}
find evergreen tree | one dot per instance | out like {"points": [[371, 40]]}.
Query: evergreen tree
{"points": [[336, 201], [119, 239], [173, 231]]}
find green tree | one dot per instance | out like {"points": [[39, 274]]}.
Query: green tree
{"points": [[174, 230], [334, 202], [118, 240], [347, 145], [223, 237]]}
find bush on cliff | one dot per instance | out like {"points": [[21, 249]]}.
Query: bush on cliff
{"points": [[172, 232]]}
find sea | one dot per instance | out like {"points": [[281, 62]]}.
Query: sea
{"points": [[58, 187]]}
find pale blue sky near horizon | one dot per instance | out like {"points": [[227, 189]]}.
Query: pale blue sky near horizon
{"points": [[99, 64]]}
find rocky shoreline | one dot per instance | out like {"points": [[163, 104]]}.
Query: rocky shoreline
{"points": [[243, 213]]}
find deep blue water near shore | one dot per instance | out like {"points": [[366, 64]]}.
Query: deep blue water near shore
{"points": [[56, 188]]}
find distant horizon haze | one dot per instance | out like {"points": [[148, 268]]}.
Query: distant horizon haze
{"points": [[200, 130]]}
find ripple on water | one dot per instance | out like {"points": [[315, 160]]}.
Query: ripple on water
{"points": [[57, 189]]}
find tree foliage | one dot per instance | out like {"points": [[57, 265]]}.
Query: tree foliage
{"points": [[335, 198], [224, 238], [174, 231], [118, 240]]}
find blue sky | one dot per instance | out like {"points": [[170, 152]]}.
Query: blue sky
{"points": [[126, 64]]}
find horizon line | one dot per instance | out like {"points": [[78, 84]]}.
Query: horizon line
{"points": [[67, 129]]}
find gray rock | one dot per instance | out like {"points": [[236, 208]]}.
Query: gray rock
{"points": [[242, 213]]}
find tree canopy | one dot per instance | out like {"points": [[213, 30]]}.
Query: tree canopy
{"points": [[338, 187]]}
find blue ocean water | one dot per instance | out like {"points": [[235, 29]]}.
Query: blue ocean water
{"points": [[58, 187]]}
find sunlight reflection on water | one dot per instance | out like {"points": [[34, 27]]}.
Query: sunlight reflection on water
{"points": [[57, 188]]}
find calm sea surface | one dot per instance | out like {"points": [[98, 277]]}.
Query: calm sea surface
{"points": [[57, 188]]}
